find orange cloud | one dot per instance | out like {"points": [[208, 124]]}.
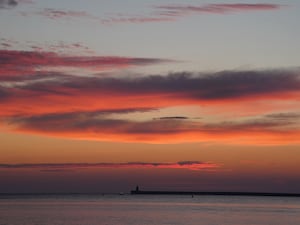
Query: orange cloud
{"points": [[58, 104], [235, 138], [271, 129]]}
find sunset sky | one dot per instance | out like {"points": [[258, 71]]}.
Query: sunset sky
{"points": [[103, 95]]}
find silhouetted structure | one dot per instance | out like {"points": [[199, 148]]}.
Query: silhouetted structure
{"points": [[137, 191]]}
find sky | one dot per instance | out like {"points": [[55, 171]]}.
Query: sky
{"points": [[99, 96]]}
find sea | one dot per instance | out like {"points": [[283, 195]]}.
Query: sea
{"points": [[115, 209]]}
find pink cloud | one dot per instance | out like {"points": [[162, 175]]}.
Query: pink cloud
{"points": [[15, 62], [182, 10]]}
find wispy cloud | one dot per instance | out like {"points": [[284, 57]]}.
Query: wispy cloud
{"points": [[61, 167], [6, 4], [284, 116], [159, 13], [58, 14], [183, 10], [61, 47], [67, 14], [6, 43], [136, 19], [173, 12], [15, 62], [172, 118], [9, 4]]}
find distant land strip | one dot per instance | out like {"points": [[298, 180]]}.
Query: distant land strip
{"points": [[135, 192]]}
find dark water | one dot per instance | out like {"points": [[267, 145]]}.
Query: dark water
{"points": [[148, 210]]}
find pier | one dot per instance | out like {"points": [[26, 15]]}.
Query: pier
{"points": [[137, 191]]}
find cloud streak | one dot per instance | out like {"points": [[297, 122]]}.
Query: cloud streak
{"points": [[160, 13], [172, 118], [137, 19], [173, 12], [63, 48], [284, 116], [59, 14], [60, 48], [99, 126], [13, 62], [62, 167], [182, 10]]}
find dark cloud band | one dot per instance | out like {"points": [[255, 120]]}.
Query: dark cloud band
{"points": [[185, 85], [62, 167]]}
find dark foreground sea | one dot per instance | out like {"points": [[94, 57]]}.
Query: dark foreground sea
{"points": [[147, 210]]}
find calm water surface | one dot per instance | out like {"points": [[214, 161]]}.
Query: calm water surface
{"points": [[148, 210]]}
